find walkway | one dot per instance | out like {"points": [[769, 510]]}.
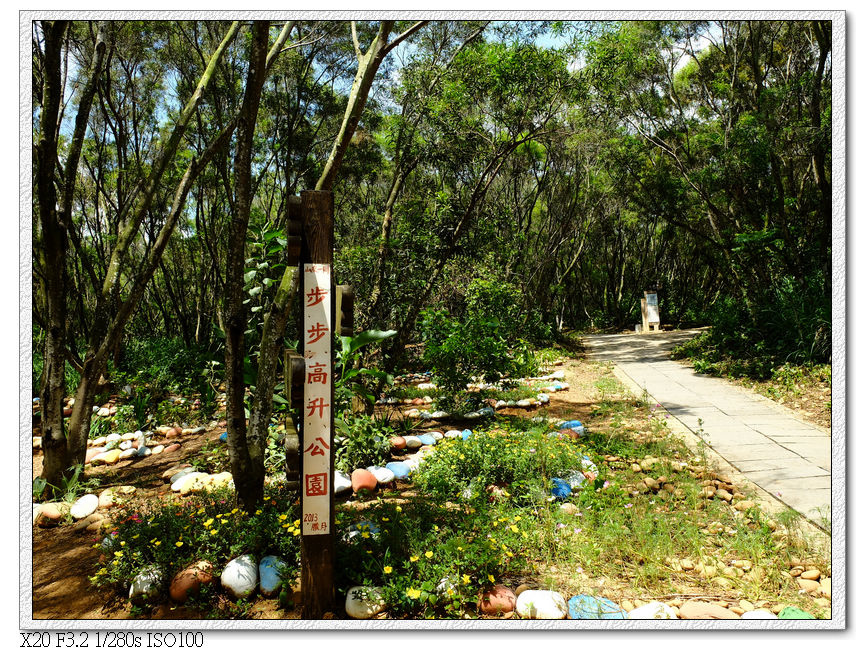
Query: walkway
{"points": [[787, 457]]}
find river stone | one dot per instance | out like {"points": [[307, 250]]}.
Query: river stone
{"points": [[240, 576], [51, 513], [171, 448], [760, 614], [791, 612], [362, 479], [146, 584], [188, 582], [173, 472], [523, 403], [363, 602], [413, 442], [158, 449], [466, 434], [438, 415], [108, 498], [399, 469], [695, 609], [221, 480], [575, 479], [397, 443], [569, 508], [454, 433], [437, 435], [269, 570], [584, 606], [809, 586], [813, 574], [497, 600], [541, 604], [89, 520], [113, 437], [108, 458], [341, 482], [127, 453], [145, 451], [103, 412], [100, 441], [653, 610]]}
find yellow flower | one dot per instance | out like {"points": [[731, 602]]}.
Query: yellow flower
{"points": [[178, 544], [297, 522], [399, 508], [118, 553], [115, 563], [388, 569], [123, 543], [413, 593], [233, 511], [428, 554], [208, 523], [157, 543], [413, 558], [283, 517], [136, 536], [515, 529], [385, 519], [214, 531], [466, 579], [365, 535], [258, 512]]}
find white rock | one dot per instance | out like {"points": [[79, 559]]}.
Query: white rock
{"points": [[454, 433], [437, 435], [501, 404], [363, 602], [240, 576], [146, 584], [382, 474], [341, 482], [128, 436], [145, 451], [186, 482], [541, 604], [759, 614], [524, 403], [543, 398], [126, 444], [101, 440], [85, 506], [438, 415], [128, 453], [158, 449], [413, 442], [111, 437], [37, 442], [558, 374], [103, 413], [653, 610]]}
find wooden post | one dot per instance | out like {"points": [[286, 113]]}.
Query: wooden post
{"points": [[295, 373], [645, 316], [317, 519]]}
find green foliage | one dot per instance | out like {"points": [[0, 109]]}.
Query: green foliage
{"points": [[520, 460], [458, 351], [161, 365], [351, 374], [202, 527], [362, 441]]}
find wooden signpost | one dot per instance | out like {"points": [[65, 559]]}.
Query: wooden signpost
{"points": [[316, 440]]}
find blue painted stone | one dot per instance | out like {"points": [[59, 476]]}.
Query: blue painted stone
{"points": [[466, 433], [592, 607], [572, 424], [427, 439], [223, 437], [269, 579], [561, 489], [399, 469]]}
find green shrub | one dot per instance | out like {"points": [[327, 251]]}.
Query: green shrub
{"points": [[364, 441]]}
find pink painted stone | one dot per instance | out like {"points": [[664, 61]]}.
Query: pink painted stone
{"points": [[189, 581], [170, 448], [362, 479], [497, 600], [51, 513], [92, 453], [398, 443], [695, 609]]}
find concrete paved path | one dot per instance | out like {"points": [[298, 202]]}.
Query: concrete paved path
{"points": [[787, 457]]}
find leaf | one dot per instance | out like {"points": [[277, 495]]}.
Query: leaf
{"points": [[366, 337], [279, 399], [255, 291], [249, 275]]}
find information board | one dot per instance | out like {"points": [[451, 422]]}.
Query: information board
{"points": [[652, 308]]}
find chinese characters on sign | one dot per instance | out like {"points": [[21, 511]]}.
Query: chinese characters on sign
{"points": [[317, 398]]}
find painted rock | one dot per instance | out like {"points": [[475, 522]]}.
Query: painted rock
{"points": [[146, 584], [466, 434], [361, 479], [363, 602], [413, 442], [594, 607], [158, 449], [186, 480], [653, 610], [454, 433], [695, 609], [437, 435], [382, 474], [188, 582], [221, 480], [439, 415], [172, 472], [341, 482], [541, 604], [270, 571], [397, 443], [240, 576], [223, 437], [426, 439], [171, 448], [791, 612], [497, 600], [108, 458], [561, 489], [400, 470], [93, 452], [127, 453], [51, 513]]}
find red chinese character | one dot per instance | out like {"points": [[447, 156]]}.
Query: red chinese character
{"points": [[317, 403], [316, 485], [315, 526], [317, 376], [317, 332], [316, 450], [316, 296]]}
